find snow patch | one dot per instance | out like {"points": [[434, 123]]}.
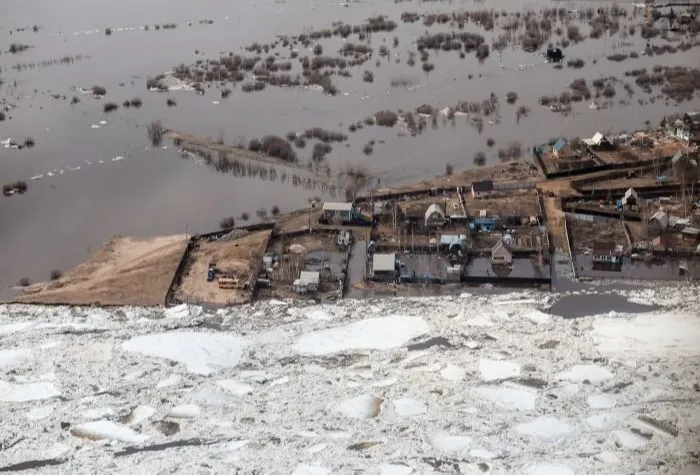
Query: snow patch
{"points": [[545, 428], [579, 373], [604, 421], [494, 370], [370, 334], [201, 353], [538, 317], [106, 430], [409, 407]]}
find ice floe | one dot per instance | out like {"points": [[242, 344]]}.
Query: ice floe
{"points": [[510, 397], [185, 411], [453, 373], [370, 334], [13, 358], [201, 353], [600, 401], [546, 428], [580, 373], [37, 391], [494, 370], [409, 407], [448, 442], [547, 468], [107, 430], [630, 440], [365, 406]]}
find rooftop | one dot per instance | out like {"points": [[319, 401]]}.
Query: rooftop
{"points": [[337, 206], [480, 186], [384, 262]]}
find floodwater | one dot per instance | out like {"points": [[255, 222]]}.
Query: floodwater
{"points": [[65, 217], [670, 269], [522, 268], [575, 306]]}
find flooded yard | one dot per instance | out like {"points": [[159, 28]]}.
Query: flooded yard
{"points": [[91, 171]]}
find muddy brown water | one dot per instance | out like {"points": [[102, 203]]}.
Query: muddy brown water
{"points": [[65, 217]]}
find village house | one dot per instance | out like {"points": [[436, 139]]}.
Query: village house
{"points": [[691, 234], [482, 188], [631, 199], [434, 216], [563, 151], [455, 244], [307, 282], [599, 141], [384, 267], [658, 222], [337, 212], [501, 255], [607, 255], [686, 128], [662, 242]]}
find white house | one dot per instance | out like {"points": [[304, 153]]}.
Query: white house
{"points": [[434, 216]]}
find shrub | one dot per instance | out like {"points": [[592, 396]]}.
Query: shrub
{"points": [[24, 282], [490, 142], [617, 57], [278, 147], [480, 159], [291, 136], [386, 118], [648, 32], [108, 31], [573, 33], [511, 97], [599, 83], [155, 132], [225, 93], [577, 63], [425, 109], [227, 223], [368, 149], [609, 91], [427, 67], [368, 76], [98, 91], [254, 145], [523, 111], [55, 274], [170, 102], [300, 142], [482, 52], [110, 107], [29, 142], [2, 116], [136, 102], [320, 151], [318, 50]]}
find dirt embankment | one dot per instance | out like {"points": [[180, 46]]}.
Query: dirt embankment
{"points": [[124, 271]]}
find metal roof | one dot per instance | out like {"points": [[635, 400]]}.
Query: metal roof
{"points": [[559, 144], [384, 262], [485, 185], [691, 231], [306, 278], [433, 208], [337, 206]]}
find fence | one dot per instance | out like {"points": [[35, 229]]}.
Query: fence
{"points": [[514, 186], [179, 270], [570, 246]]}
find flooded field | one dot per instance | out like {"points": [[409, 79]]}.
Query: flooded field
{"points": [[91, 171]]}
